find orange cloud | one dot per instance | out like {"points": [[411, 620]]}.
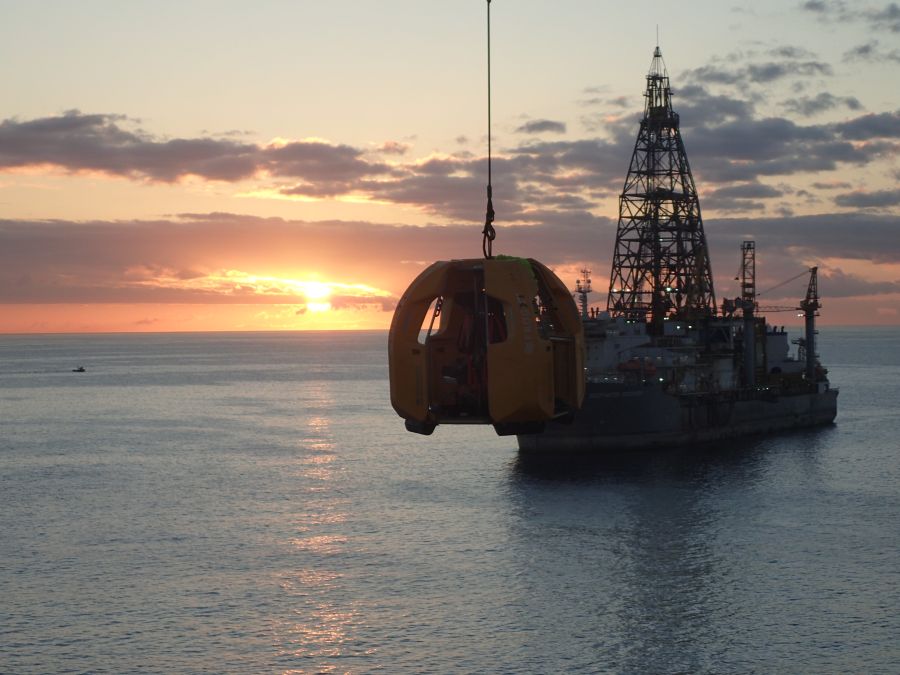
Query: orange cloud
{"points": [[270, 273], [149, 317]]}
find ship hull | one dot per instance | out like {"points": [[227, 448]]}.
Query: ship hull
{"points": [[617, 417]]}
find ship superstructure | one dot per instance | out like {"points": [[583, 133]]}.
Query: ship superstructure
{"points": [[665, 365]]}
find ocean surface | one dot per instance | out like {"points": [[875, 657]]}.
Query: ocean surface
{"points": [[250, 502]]}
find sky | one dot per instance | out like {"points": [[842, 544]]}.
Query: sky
{"points": [[197, 166]]}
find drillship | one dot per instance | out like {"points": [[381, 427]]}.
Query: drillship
{"points": [[664, 364]]}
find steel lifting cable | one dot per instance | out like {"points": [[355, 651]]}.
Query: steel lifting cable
{"points": [[784, 283], [489, 234]]}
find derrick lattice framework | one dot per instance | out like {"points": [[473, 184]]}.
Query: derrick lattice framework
{"points": [[660, 266]]}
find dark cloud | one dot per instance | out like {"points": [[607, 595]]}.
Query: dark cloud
{"points": [[725, 204], [133, 262], [859, 236], [319, 161], [739, 197], [451, 187], [443, 166], [876, 199], [726, 141], [542, 199], [864, 52], [769, 72], [460, 197], [542, 126], [757, 73], [791, 52], [824, 101], [698, 106], [77, 142], [394, 148], [816, 6], [743, 151], [596, 161], [872, 53], [786, 246], [836, 185], [536, 175], [885, 18], [748, 149], [871, 126], [730, 118], [748, 191], [713, 74], [616, 103], [843, 285], [317, 190], [325, 170], [158, 261], [141, 261], [831, 10]]}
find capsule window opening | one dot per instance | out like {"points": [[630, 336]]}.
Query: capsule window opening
{"points": [[470, 321], [458, 354], [481, 320], [430, 320], [497, 330], [544, 315]]}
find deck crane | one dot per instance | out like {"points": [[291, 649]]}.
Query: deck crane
{"points": [[810, 306], [749, 304]]}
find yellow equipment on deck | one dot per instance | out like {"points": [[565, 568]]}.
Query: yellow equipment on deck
{"points": [[508, 348]]}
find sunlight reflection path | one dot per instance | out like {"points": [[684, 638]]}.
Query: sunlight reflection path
{"points": [[324, 623]]}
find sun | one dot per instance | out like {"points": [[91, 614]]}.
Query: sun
{"points": [[315, 291], [316, 294]]}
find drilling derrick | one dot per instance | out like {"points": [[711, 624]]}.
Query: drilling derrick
{"points": [[661, 265]]}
